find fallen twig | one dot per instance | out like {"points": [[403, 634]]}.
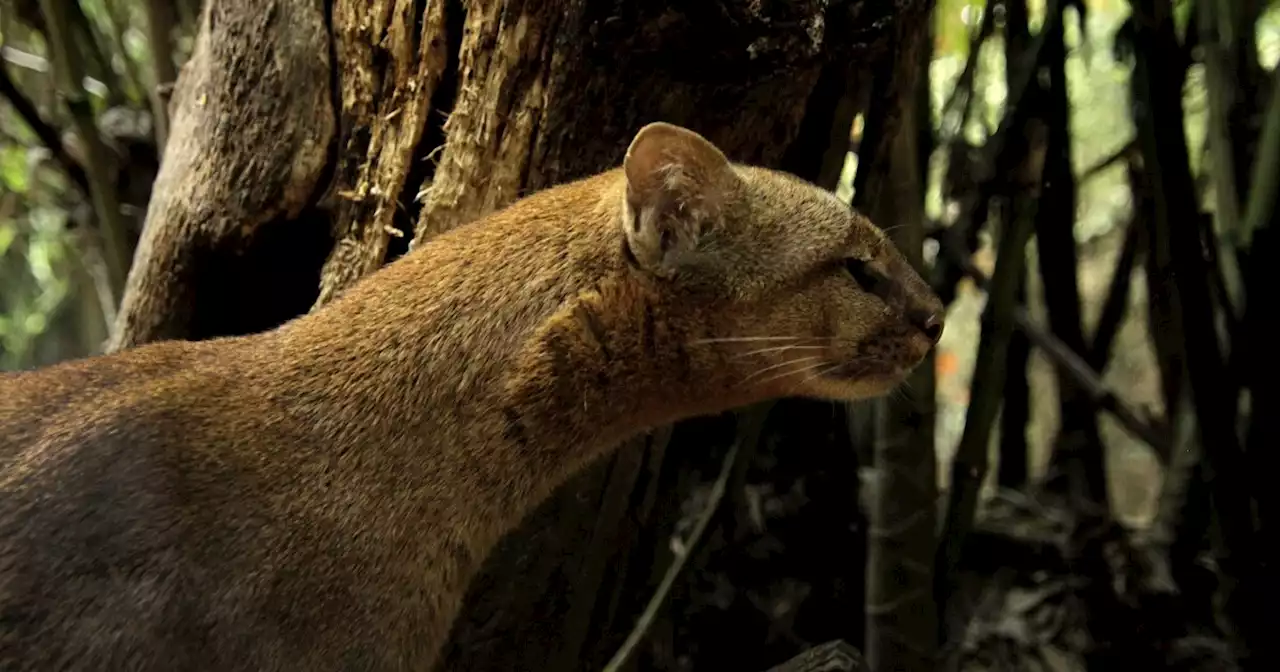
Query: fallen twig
{"points": [[681, 557], [834, 656]]}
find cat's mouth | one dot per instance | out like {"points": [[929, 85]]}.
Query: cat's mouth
{"points": [[859, 379], [879, 371], [874, 367], [888, 357], [862, 371]]}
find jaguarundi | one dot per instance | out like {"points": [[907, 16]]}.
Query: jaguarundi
{"points": [[317, 497]]}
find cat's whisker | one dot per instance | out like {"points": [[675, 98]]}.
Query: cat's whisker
{"points": [[779, 348], [854, 373], [779, 365], [784, 374], [749, 339], [819, 374], [744, 339]]}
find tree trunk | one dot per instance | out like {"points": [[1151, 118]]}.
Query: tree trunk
{"points": [[312, 141], [902, 619], [227, 247], [1176, 241]]}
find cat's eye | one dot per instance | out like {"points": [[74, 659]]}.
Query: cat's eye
{"points": [[862, 274]]}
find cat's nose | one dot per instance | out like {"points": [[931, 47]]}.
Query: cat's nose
{"points": [[929, 322]]}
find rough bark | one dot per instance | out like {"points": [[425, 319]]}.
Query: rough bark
{"points": [[553, 91], [391, 62], [415, 117]]}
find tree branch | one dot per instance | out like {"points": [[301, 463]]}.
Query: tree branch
{"points": [[88, 41], [1266, 169], [964, 85], [42, 130], [1117, 302], [1072, 365], [160, 37], [1015, 411], [969, 467], [1126, 150], [984, 172], [1257, 354], [1177, 236], [1078, 449], [118, 26]]}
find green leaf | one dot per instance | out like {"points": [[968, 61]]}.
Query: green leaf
{"points": [[7, 235], [14, 173], [35, 324]]}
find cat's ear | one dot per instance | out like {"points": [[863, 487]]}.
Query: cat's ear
{"points": [[677, 183]]}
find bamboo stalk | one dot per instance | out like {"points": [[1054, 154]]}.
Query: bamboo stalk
{"points": [[70, 74]]}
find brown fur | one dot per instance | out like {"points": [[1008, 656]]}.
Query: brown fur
{"points": [[317, 497]]}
